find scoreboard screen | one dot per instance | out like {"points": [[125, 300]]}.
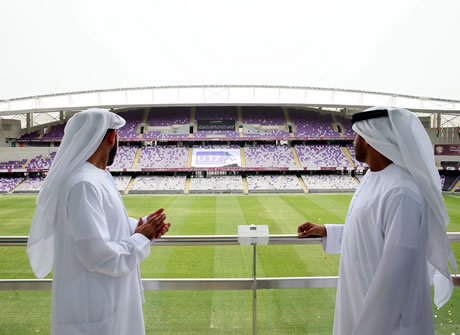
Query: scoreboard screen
{"points": [[202, 158], [216, 125]]}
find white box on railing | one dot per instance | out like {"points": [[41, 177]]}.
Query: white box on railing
{"points": [[253, 235]]}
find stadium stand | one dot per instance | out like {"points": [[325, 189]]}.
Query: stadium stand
{"points": [[121, 182], [133, 119], [312, 124], [168, 116], [449, 182], [346, 126], [217, 184], [269, 156], [163, 157], [8, 184], [55, 134], [124, 157], [13, 164], [265, 126], [351, 149], [266, 116], [273, 184], [158, 184], [31, 185], [443, 180], [42, 161], [168, 123], [263, 122], [321, 155], [33, 136], [329, 183]]}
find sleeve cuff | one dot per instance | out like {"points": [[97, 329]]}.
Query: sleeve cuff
{"points": [[133, 224], [142, 245], [332, 243]]}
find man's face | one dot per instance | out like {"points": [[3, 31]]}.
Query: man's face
{"points": [[360, 149], [113, 152]]}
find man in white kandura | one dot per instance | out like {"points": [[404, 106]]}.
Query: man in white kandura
{"points": [[81, 229], [394, 241]]}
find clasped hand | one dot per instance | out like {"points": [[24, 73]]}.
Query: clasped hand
{"points": [[154, 226]]}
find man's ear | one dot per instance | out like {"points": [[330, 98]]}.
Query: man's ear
{"points": [[112, 136], [365, 142]]}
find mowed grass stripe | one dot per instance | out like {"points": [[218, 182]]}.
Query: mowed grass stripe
{"points": [[25, 312], [272, 260], [292, 261], [177, 210], [16, 212], [186, 312], [296, 311], [14, 264], [453, 208], [230, 261], [199, 217], [317, 262], [324, 208], [142, 205]]}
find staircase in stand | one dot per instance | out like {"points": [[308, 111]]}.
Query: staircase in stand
{"points": [[347, 153], [136, 159], [130, 184]]}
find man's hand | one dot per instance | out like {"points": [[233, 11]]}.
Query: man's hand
{"points": [[154, 227], [309, 229], [164, 230]]}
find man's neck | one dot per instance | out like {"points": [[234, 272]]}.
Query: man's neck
{"points": [[379, 165], [98, 162]]}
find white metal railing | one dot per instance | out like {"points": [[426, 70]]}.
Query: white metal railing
{"points": [[209, 240]]}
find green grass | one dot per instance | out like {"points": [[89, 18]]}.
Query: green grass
{"points": [[306, 311]]}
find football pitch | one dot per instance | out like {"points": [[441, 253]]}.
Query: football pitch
{"points": [[286, 311]]}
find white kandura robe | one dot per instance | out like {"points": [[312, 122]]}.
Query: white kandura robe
{"points": [[97, 286], [383, 286]]}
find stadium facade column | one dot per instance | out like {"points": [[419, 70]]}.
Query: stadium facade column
{"points": [[29, 121], [61, 117], [438, 127]]}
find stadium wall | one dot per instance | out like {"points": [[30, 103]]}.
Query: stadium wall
{"points": [[447, 135], [154, 192], [330, 191], [9, 129], [276, 191], [19, 153]]}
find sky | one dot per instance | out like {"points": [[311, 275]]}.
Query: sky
{"points": [[393, 46]]}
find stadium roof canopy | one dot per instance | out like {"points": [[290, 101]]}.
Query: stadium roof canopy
{"points": [[137, 97]]}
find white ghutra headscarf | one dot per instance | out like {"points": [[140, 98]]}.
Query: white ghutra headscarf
{"points": [[83, 134], [401, 138]]}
